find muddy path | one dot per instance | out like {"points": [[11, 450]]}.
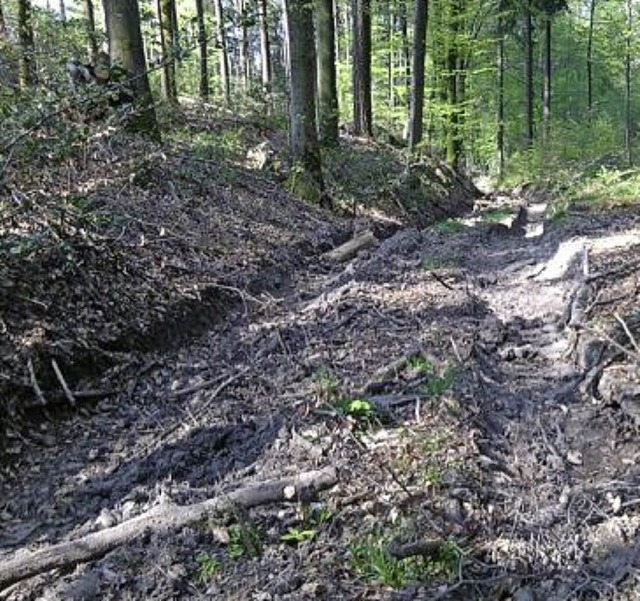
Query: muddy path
{"points": [[499, 422]]}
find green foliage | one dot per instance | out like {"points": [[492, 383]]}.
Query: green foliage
{"points": [[608, 188], [449, 226], [298, 536], [372, 561], [361, 411], [244, 541], [326, 385], [438, 384], [209, 568], [420, 364]]}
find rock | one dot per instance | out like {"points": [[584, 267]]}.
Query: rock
{"points": [[261, 157]]}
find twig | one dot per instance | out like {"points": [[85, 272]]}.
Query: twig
{"points": [[63, 383], [34, 383], [627, 331], [635, 356], [440, 280], [208, 383]]}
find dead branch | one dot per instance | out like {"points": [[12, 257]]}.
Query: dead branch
{"points": [[63, 383], [424, 548], [350, 249], [161, 519], [34, 384]]}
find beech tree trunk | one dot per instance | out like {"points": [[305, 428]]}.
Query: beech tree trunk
{"points": [[500, 102], [362, 110], [592, 15], [528, 73], [327, 79], [202, 43], [417, 81], [302, 108], [265, 49], [221, 43], [126, 49], [27, 65], [167, 37], [546, 81], [92, 39], [628, 125], [3, 25]]}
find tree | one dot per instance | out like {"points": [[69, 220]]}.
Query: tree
{"points": [[417, 79], [362, 109], [628, 60], [92, 39], [302, 108], [202, 43], [592, 16], [126, 49], [327, 83], [500, 68], [168, 27], [27, 65], [528, 73], [265, 49], [221, 43], [3, 25]]}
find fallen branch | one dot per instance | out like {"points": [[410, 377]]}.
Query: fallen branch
{"points": [[34, 383], [350, 249], [424, 548], [63, 383], [162, 519]]}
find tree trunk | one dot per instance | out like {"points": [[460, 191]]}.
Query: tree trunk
{"points": [[63, 12], [546, 81], [265, 50], [500, 102], [3, 25], [122, 18], [92, 39], [417, 83], [244, 62], [302, 110], [405, 52], [221, 43], [27, 65], [362, 110], [167, 37], [628, 126], [592, 14], [454, 150], [202, 42], [327, 82], [528, 73]]}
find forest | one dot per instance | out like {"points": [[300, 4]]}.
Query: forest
{"points": [[319, 299]]}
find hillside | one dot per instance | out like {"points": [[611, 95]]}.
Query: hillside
{"points": [[451, 413]]}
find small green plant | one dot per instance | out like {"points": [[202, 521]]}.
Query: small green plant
{"points": [[432, 475], [449, 226], [433, 264], [209, 567], [372, 561], [439, 384], [244, 540], [420, 364], [321, 516], [298, 536], [326, 385]]}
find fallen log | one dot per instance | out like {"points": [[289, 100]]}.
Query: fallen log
{"points": [[161, 519], [350, 249]]}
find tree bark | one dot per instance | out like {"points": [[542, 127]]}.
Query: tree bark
{"points": [[27, 65], [202, 43], [362, 109], [265, 50], [126, 49], [454, 141], [63, 12], [528, 73], [592, 15], [546, 81], [327, 79], [221, 43], [244, 63], [3, 25], [500, 101], [628, 126], [167, 37], [417, 81], [302, 109], [161, 520], [92, 39]]}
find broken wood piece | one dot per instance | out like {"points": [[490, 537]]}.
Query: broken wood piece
{"points": [[63, 383], [158, 520], [391, 371], [424, 548], [34, 383], [348, 250]]}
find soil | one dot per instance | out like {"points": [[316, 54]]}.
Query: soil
{"points": [[496, 365]]}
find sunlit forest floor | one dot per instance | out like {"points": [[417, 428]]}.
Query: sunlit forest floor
{"points": [[174, 328]]}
